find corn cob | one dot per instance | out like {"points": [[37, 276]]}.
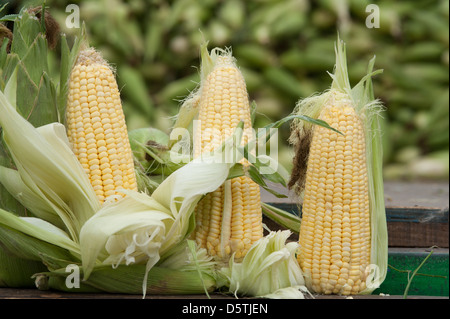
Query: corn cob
{"points": [[228, 220], [343, 228], [335, 229], [96, 126]]}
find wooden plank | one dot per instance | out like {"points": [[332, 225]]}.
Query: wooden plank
{"points": [[419, 193], [426, 194], [407, 226], [407, 234], [11, 293]]}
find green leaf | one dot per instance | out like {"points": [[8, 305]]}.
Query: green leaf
{"points": [[36, 97], [258, 178], [3, 6], [236, 171], [37, 229], [54, 262], [53, 173], [68, 59], [27, 247], [305, 118], [278, 174], [128, 280], [30, 44], [8, 17], [134, 89], [269, 265], [253, 107], [17, 272], [288, 220], [3, 56], [27, 196]]}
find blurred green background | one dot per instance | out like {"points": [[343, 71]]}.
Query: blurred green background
{"points": [[284, 49]]}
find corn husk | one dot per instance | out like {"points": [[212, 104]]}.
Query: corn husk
{"points": [[268, 270], [26, 57], [63, 187], [128, 280], [287, 220], [368, 109], [16, 272]]}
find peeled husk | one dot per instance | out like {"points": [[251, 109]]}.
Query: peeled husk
{"points": [[368, 109]]}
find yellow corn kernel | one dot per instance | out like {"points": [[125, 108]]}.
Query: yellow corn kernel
{"points": [[342, 197], [96, 126], [229, 220]]}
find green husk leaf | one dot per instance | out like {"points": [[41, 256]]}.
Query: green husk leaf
{"points": [[25, 58], [271, 169], [374, 150], [54, 262], [186, 114], [134, 89], [188, 256], [17, 272], [53, 172], [51, 281], [236, 171], [193, 250], [68, 59], [39, 229], [258, 178], [253, 107], [283, 218], [13, 183], [369, 110], [268, 266], [128, 280], [26, 247]]}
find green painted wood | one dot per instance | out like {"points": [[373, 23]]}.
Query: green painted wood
{"points": [[417, 214], [432, 279]]}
